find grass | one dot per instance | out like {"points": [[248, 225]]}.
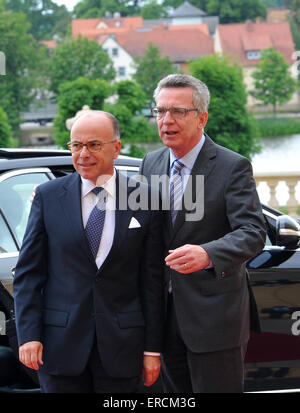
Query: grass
{"points": [[269, 127], [284, 209]]}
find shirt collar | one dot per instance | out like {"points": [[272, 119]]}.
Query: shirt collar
{"points": [[110, 186], [189, 158]]}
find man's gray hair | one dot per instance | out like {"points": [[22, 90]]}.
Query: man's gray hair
{"points": [[201, 93]]}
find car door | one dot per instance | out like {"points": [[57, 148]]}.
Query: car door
{"points": [[15, 193], [273, 357]]}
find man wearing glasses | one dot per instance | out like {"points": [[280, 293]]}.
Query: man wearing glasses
{"points": [[88, 284], [210, 306]]}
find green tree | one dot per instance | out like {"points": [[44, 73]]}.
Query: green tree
{"points": [[272, 3], [45, 16], [79, 57], [294, 20], [128, 107], [85, 9], [130, 101], [72, 97], [97, 8], [150, 68], [273, 82], [229, 123], [235, 11], [131, 95], [5, 131], [25, 60], [295, 29], [153, 10]]}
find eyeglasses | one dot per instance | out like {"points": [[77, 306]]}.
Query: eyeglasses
{"points": [[177, 113], [92, 146]]}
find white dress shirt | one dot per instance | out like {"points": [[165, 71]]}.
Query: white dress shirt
{"points": [[89, 201], [188, 161]]}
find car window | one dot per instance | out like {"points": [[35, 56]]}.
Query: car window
{"points": [[15, 194], [6, 241], [268, 241]]}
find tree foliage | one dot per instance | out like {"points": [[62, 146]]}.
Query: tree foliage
{"points": [[25, 60], [235, 11], [79, 57], [45, 16], [150, 68], [97, 8], [131, 95], [153, 10], [130, 101], [229, 11], [73, 95], [5, 131], [229, 123], [294, 20], [273, 82]]}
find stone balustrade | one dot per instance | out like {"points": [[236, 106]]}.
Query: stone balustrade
{"points": [[270, 182]]}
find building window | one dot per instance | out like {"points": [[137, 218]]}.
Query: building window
{"points": [[122, 71], [115, 52], [253, 55]]}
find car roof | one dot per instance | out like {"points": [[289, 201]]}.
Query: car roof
{"points": [[29, 158]]}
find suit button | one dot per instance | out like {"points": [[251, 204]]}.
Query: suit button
{"points": [[97, 279]]}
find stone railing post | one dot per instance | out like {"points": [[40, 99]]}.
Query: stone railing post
{"points": [[272, 179]]}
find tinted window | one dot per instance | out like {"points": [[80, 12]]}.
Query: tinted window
{"points": [[6, 241], [15, 194]]}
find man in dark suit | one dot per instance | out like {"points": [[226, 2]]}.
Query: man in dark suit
{"points": [[89, 311], [218, 226]]}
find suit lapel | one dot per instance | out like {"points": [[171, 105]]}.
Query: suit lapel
{"points": [[70, 199], [123, 216]]}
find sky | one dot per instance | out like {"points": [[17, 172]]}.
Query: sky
{"points": [[68, 3]]}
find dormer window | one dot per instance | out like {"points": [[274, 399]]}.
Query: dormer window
{"points": [[102, 25], [253, 54]]}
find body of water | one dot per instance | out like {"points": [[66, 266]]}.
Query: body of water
{"points": [[279, 154]]}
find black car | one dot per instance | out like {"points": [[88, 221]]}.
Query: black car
{"points": [[273, 357]]}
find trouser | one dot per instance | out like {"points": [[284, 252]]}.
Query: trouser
{"points": [[93, 379], [184, 371]]}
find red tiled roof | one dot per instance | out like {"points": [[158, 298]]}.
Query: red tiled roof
{"points": [[237, 39], [203, 27], [180, 45], [51, 44], [88, 27]]}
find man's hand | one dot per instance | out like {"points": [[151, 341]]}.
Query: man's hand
{"points": [[151, 369], [187, 259], [31, 353]]}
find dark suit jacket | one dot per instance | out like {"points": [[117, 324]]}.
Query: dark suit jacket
{"points": [[212, 305], [62, 299]]}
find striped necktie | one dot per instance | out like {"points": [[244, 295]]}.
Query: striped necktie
{"points": [[175, 188], [95, 223]]}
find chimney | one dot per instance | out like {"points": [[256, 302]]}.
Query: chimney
{"points": [[249, 26]]}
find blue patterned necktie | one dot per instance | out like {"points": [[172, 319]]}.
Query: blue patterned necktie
{"points": [[175, 188], [95, 223]]}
